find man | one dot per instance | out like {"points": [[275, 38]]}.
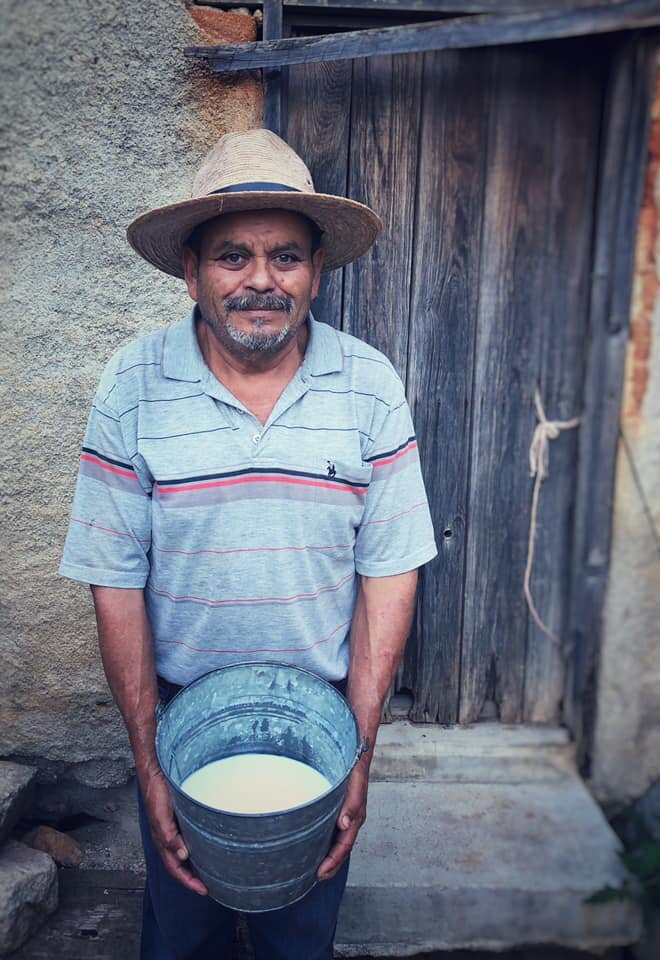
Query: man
{"points": [[249, 488]]}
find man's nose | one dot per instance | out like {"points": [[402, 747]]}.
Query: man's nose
{"points": [[260, 276]]}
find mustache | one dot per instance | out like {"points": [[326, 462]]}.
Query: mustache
{"points": [[253, 301]]}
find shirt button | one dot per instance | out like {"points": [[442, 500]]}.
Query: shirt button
{"points": [[256, 438]]}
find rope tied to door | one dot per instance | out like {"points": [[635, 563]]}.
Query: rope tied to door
{"points": [[539, 468]]}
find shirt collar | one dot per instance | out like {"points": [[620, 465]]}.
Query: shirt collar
{"points": [[183, 360], [323, 353]]}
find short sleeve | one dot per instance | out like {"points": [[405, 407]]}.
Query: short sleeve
{"points": [[396, 532], [109, 534]]}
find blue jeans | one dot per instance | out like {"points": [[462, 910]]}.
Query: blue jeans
{"points": [[178, 924]]}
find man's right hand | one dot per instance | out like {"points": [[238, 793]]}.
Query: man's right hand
{"points": [[165, 832]]}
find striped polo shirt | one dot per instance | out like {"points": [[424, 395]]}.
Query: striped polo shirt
{"points": [[246, 538]]}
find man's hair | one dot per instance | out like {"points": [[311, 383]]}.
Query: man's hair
{"points": [[194, 241]]}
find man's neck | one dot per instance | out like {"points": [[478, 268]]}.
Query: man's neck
{"points": [[256, 379]]}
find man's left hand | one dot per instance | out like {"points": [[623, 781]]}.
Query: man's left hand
{"points": [[351, 817]]}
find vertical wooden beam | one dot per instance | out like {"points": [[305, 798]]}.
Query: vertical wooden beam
{"points": [[443, 316], [513, 310], [383, 157], [574, 76], [623, 159], [273, 78]]}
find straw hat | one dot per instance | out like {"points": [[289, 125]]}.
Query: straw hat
{"points": [[255, 170]]}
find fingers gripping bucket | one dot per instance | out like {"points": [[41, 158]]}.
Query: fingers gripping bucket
{"points": [[256, 862]]}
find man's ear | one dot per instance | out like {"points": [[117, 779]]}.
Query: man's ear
{"points": [[317, 263], [190, 270]]}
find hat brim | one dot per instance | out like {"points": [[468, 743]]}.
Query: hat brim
{"points": [[349, 228]]}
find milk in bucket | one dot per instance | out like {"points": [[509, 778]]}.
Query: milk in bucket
{"points": [[255, 783]]}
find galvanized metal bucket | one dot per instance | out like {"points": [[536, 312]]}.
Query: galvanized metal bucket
{"points": [[257, 862]]}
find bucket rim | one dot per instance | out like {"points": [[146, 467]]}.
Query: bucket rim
{"points": [[273, 813]]}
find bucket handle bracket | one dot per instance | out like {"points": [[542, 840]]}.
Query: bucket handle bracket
{"points": [[363, 746]]}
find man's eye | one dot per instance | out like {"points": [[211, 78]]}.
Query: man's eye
{"points": [[286, 258], [233, 258]]}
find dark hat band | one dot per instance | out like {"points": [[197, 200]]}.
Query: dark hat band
{"points": [[257, 185]]}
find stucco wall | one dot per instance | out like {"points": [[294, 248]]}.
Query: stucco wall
{"points": [[627, 748], [104, 118]]}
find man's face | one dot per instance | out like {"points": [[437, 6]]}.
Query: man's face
{"points": [[254, 279]]}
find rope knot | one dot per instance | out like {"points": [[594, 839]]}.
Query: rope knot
{"points": [[539, 462]]}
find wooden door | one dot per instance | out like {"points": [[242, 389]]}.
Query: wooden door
{"points": [[483, 165]]}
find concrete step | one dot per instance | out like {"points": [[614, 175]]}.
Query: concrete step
{"points": [[480, 838]]}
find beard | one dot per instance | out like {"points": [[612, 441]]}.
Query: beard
{"points": [[254, 341], [260, 343]]}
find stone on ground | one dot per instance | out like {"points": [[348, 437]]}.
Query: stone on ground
{"points": [[28, 893], [16, 790]]}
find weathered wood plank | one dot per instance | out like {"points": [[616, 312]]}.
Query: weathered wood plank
{"points": [[321, 136], [272, 78], [623, 159], [384, 130], [512, 311], [443, 312], [458, 33], [574, 78], [430, 6], [382, 174]]}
